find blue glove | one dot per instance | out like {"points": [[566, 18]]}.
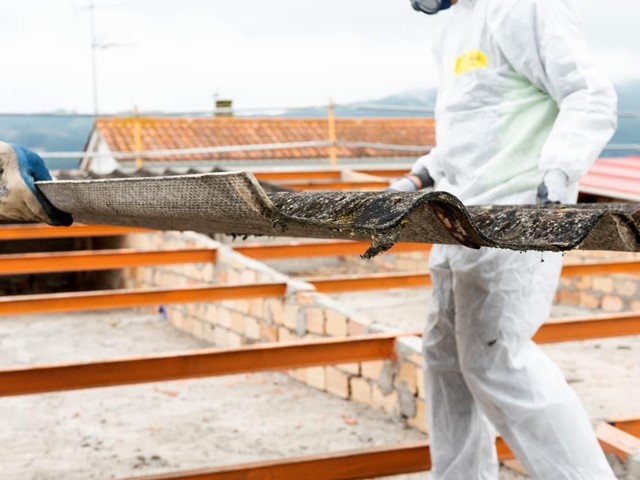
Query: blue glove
{"points": [[417, 180], [20, 199], [553, 189]]}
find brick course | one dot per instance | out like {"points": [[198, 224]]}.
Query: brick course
{"points": [[610, 293]]}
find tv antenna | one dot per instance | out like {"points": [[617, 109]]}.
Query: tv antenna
{"points": [[96, 45]]}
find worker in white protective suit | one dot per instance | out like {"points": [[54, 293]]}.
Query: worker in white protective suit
{"points": [[522, 113], [20, 199]]}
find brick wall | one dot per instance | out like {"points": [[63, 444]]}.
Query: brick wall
{"points": [[395, 386], [611, 293]]}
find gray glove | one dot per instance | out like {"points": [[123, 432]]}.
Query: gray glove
{"points": [[553, 189], [412, 183], [20, 199]]}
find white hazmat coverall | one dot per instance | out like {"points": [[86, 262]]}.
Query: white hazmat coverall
{"points": [[519, 97]]}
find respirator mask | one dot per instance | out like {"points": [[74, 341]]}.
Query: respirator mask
{"points": [[430, 7]]}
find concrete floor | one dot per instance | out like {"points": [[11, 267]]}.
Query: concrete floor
{"points": [[161, 427]]}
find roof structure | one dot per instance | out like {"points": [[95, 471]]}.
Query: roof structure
{"points": [[614, 178], [135, 134], [234, 203], [609, 178]]}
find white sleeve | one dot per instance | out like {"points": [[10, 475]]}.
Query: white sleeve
{"points": [[544, 41], [431, 162]]}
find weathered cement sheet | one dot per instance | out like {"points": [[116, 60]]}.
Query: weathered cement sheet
{"points": [[234, 203]]}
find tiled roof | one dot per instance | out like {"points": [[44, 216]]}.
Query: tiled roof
{"points": [[171, 133]]}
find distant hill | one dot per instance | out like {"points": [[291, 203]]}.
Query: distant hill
{"points": [[418, 99], [628, 128], [47, 133], [68, 133]]}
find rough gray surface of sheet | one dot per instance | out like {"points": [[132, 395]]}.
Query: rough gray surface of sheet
{"points": [[234, 203]]}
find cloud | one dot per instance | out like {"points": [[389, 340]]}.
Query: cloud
{"points": [[280, 52], [620, 65]]}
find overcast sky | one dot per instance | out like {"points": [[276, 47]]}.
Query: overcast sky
{"points": [[175, 55]]}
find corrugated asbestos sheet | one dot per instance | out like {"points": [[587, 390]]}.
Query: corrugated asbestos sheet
{"points": [[234, 203], [154, 172]]}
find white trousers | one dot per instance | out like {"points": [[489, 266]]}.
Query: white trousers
{"points": [[484, 371]]}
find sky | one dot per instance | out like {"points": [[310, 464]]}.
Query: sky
{"points": [[176, 55]]}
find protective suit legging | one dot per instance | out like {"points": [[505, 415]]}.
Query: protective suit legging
{"points": [[483, 372]]}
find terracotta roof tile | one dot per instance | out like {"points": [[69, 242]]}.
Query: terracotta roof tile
{"points": [[169, 133]]}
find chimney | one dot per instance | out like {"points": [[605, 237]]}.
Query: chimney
{"points": [[224, 108]]}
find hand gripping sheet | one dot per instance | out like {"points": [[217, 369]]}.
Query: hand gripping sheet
{"points": [[234, 203]]}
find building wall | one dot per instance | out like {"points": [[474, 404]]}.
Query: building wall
{"points": [[105, 163], [395, 386], [610, 293]]}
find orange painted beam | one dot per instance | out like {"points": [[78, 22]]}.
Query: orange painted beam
{"points": [[605, 268], [631, 425], [99, 260], [504, 452], [380, 281], [617, 442], [288, 175], [203, 363], [123, 258], [384, 172], [375, 281], [346, 465], [346, 247], [586, 328], [265, 251], [110, 299], [337, 185], [261, 251], [47, 378], [41, 231], [559, 330]]}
